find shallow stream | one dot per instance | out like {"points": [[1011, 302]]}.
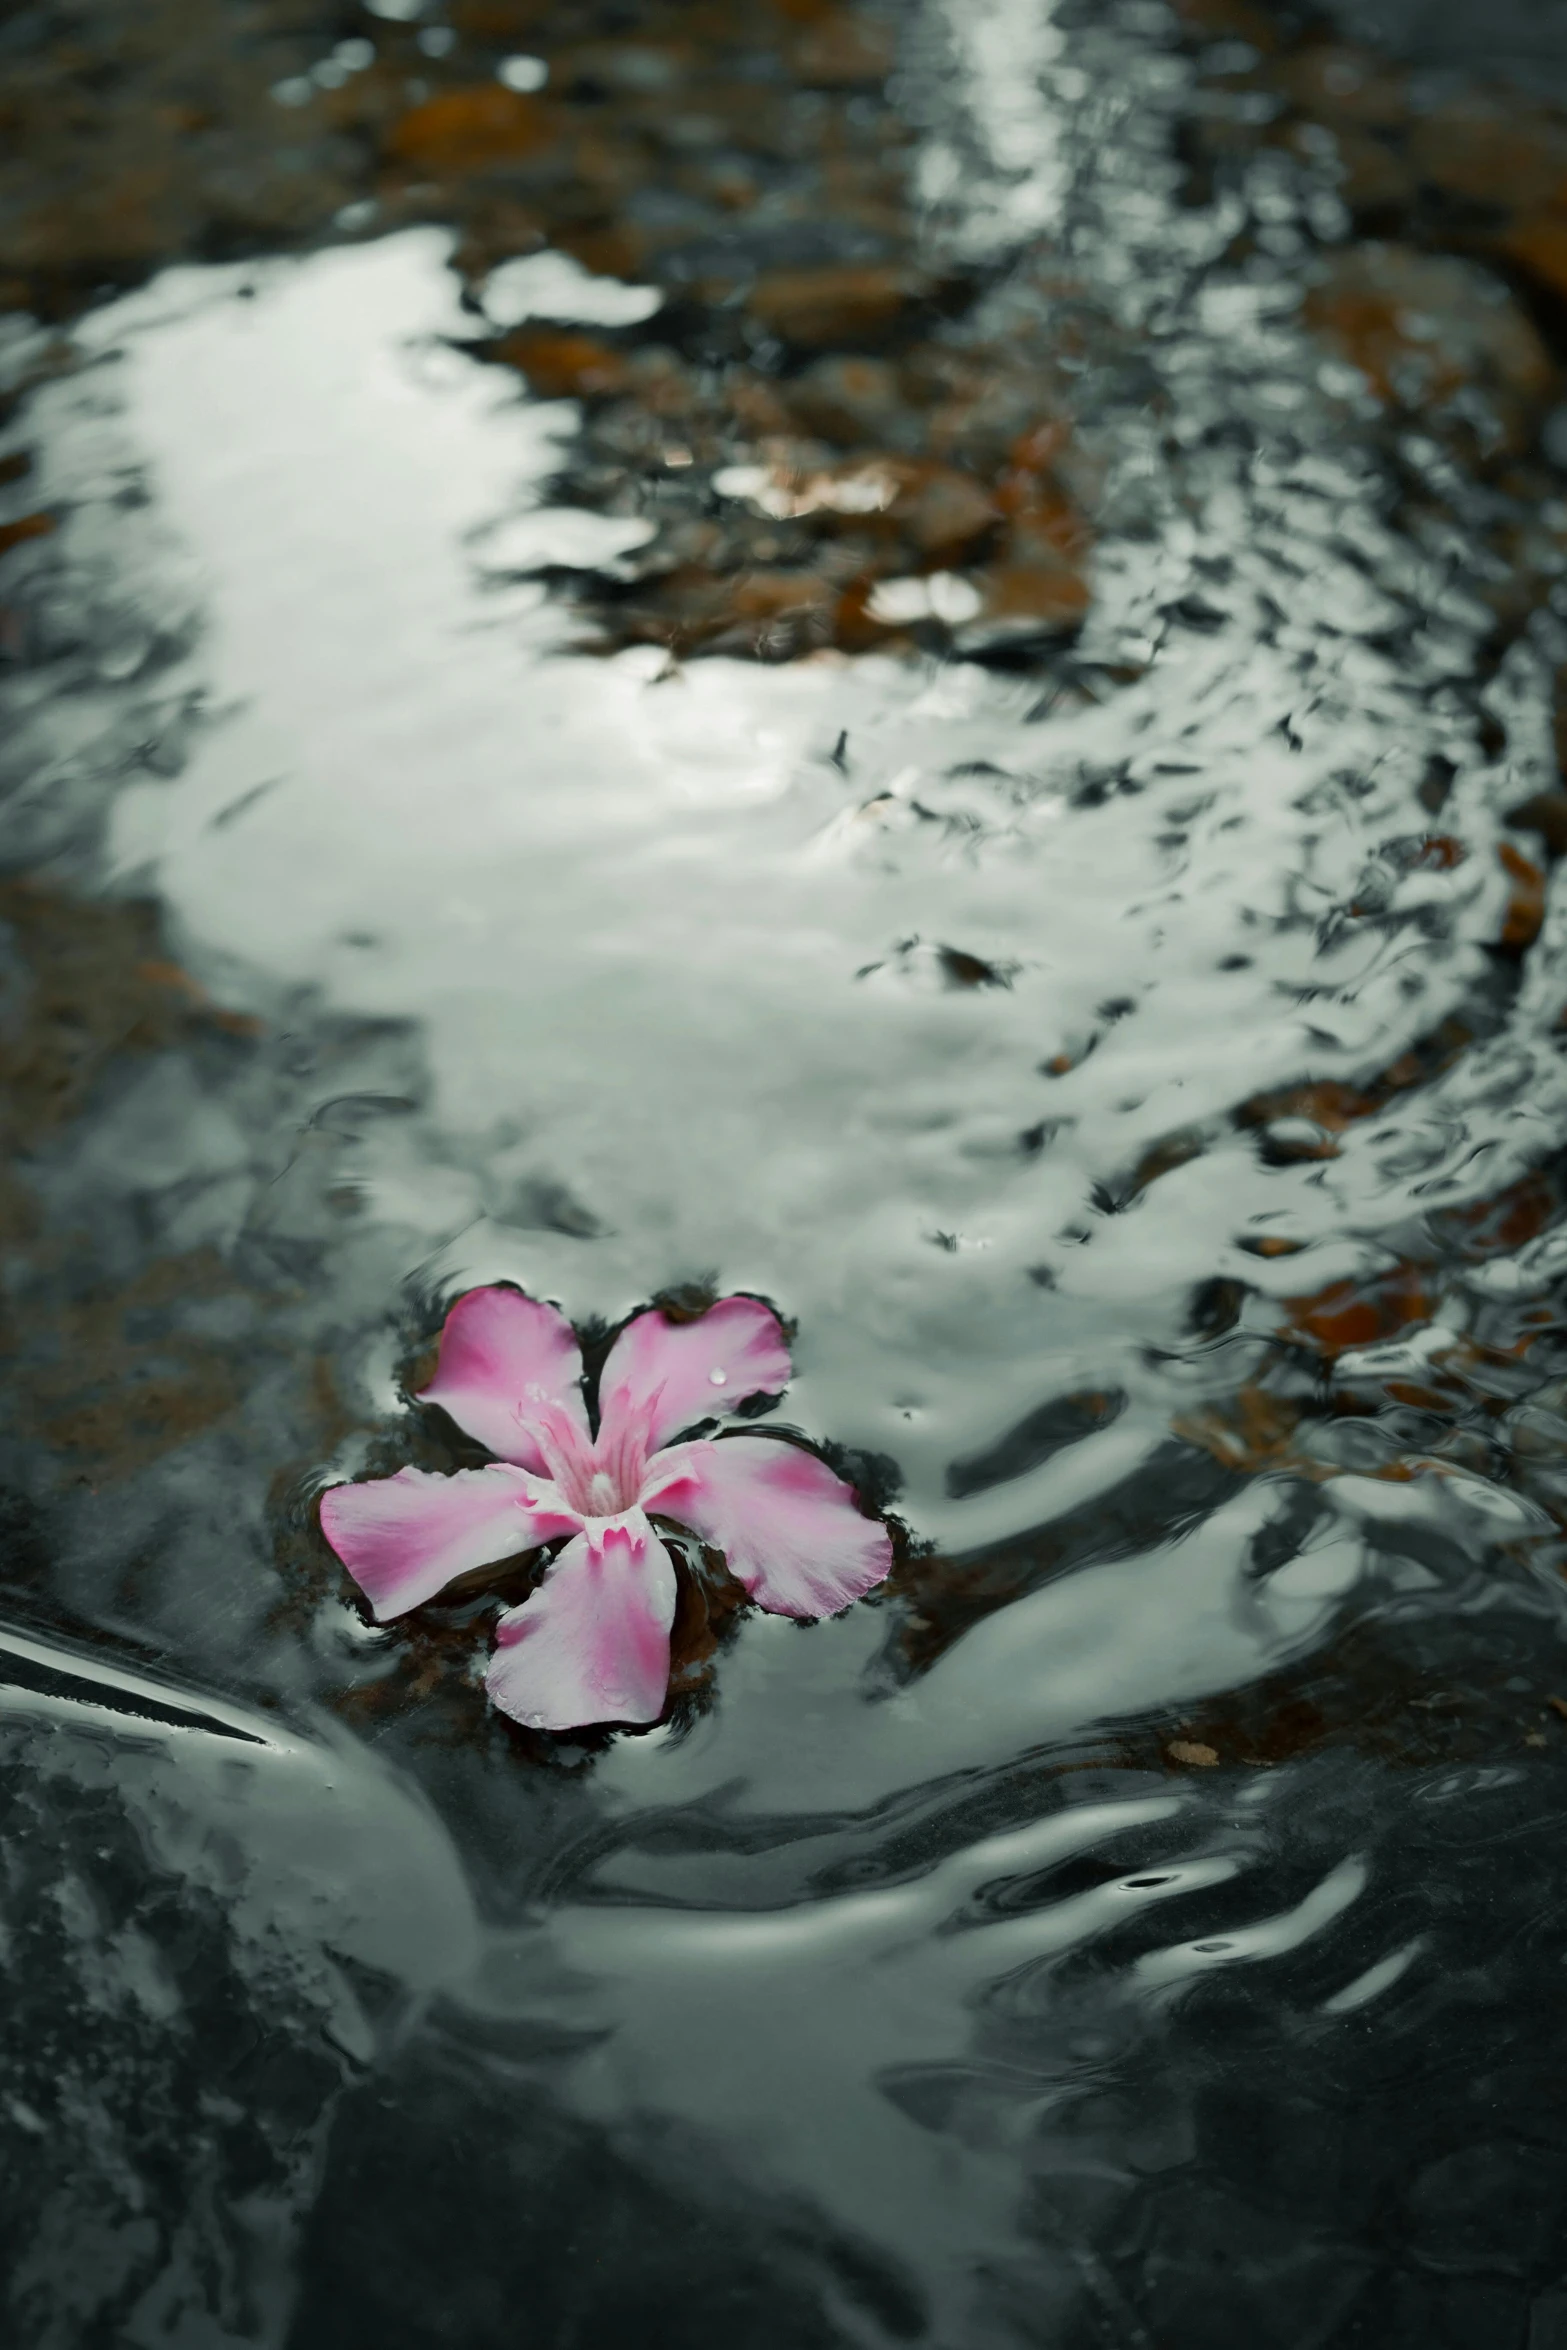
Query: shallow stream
{"points": [[1105, 987]]}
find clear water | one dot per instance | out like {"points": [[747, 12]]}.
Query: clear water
{"points": [[1139, 1925]]}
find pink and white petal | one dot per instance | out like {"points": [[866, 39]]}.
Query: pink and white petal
{"points": [[499, 1351], [661, 1376], [592, 1643], [404, 1538], [788, 1527]]}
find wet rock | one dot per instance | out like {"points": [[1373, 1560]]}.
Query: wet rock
{"points": [[100, 986], [1255, 1431], [770, 614], [760, 407], [131, 135], [851, 302], [473, 130], [994, 410], [1545, 814], [1489, 150], [1525, 913], [1373, 177], [1538, 245], [841, 50], [936, 513], [564, 366], [855, 401], [1420, 327], [1235, 20], [1020, 599], [620, 250], [1477, 170], [1037, 577], [167, 2089], [1347, 1314], [25, 527], [943, 512], [117, 1383]]}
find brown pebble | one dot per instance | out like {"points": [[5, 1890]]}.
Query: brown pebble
{"points": [[1526, 907], [1545, 814], [842, 51], [837, 303], [1538, 245], [30, 526], [471, 130], [565, 366], [1198, 1757]]}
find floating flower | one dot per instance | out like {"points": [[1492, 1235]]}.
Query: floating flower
{"points": [[591, 1644]]}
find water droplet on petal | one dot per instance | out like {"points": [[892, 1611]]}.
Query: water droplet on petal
{"points": [[534, 1721], [719, 1378], [615, 1697]]}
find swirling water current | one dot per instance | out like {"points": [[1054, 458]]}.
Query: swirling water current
{"points": [[1132, 1057]]}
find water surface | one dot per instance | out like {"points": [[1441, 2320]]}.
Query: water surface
{"points": [[1128, 1044]]}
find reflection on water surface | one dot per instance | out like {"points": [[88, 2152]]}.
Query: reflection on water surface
{"points": [[930, 693]]}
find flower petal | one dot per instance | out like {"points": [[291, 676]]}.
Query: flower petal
{"points": [[661, 1376], [403, 1538], [592, 1644], [499, 1351], [788, 1527]]}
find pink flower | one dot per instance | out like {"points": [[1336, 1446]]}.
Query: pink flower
{"points": [[591, 1644]]}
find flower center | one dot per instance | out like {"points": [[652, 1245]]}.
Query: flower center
{"points": [[598, 1480]]}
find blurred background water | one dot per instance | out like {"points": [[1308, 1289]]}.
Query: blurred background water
{"points": [[1521, 40], [908, 658]]}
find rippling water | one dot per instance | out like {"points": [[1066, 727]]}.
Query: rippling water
{"points": [[1136, 1063]]}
